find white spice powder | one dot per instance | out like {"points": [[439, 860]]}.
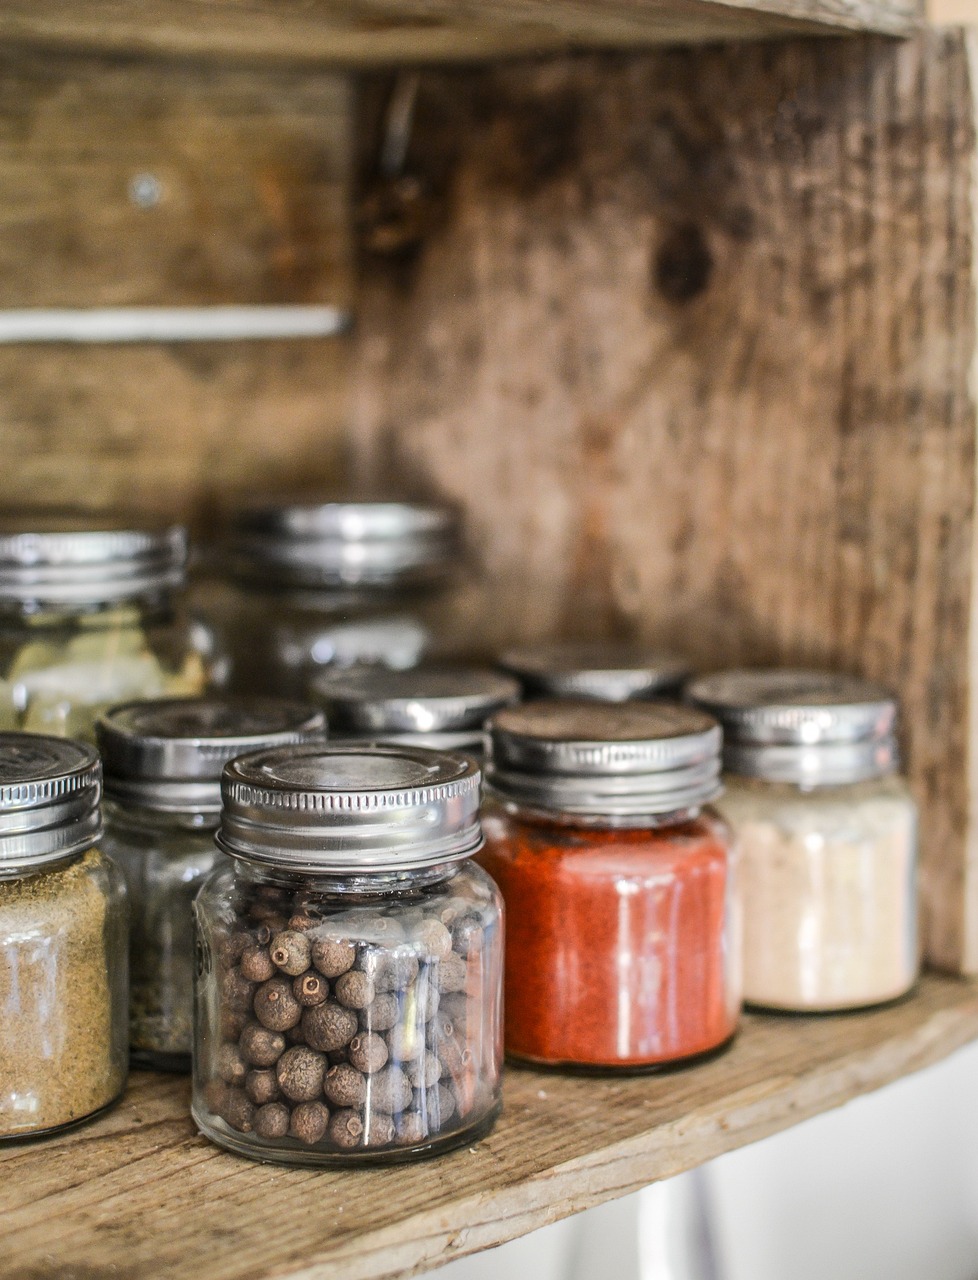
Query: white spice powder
{"points": [[828, 880]]}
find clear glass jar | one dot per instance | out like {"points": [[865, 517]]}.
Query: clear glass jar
{"points": [[603, 670], [350, 974], [623, 937], [332, 586], [63, 925], [87, 618], [443, 708], [828, 838], [163, 763]]}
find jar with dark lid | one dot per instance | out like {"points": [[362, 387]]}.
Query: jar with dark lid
{"points": [[88, 617], [63, 1051], [331, 585], [827, 831], [443, 708], [163, 763], [622, 945], [604, 671], [350, 983]]}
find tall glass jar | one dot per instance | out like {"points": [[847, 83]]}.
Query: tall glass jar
{"points": [[828, 837], [87, 618], [350, 978], [331, 585], [623, 939], [440, 707], [163, 763], [62, 941], [603, 670]]}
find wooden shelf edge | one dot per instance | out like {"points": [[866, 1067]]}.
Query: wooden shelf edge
{"points": [[139, 1184], [369, 33]]}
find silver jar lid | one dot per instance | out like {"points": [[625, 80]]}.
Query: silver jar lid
{"points": [[351, 809], [49, 800], [168, 754], [813, 728], [425, 700], [615, 760], [604, 671], [336, 545], [53, 559]]}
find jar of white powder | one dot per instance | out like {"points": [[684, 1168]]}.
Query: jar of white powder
{"points": [[827, 832]]}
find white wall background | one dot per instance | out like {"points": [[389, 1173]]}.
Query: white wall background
{"points": [[885, 1188]]}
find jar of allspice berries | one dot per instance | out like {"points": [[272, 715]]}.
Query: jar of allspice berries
{"points": [[63, 1041], [349, 979], [162, 763], [623, 937]]}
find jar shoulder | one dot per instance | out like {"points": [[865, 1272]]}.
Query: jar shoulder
{"points": [[878, 802]]}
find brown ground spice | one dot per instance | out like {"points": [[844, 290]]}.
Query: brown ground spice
{"points": [[56, 1046]]}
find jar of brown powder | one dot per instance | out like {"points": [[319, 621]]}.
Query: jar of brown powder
{"points": [[63, 970]]}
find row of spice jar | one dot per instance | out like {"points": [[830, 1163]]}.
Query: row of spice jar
{"points": [[349, 952]]}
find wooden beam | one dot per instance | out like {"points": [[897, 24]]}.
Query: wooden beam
{"points": [[690, 336], [359, 33]]}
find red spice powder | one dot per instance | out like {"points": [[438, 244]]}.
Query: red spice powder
{"points": [[621, 945]]}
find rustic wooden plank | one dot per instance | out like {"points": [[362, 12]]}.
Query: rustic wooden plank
{"points": [[690, 336], [253, 174], [138, 1193], [362, 33]]}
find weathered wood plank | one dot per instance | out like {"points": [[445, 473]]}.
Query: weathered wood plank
{"points": [[690, 336], [139, 1194], [362, 33]]}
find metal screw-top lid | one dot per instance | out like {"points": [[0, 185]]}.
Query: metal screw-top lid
{"points": [[49, 800], [614, 760], [337, 545], [351, 809], [169, 754], [813, 728], [423, 700], [604, 671], [55, 559]]}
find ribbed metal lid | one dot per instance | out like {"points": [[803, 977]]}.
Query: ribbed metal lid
{"points": [[343, 544], [422, 700], [605, 759], [813, 728], [56, 559], [351, 809], [49, 799], [603, 671], [168, 754]]}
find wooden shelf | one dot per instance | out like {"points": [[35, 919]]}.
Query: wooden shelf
{"points": [[372, 32], [139, 1194]]}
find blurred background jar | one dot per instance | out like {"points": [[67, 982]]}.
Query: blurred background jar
{"points": [[601, 670], [63, 1029], [348, 998], [308, 587], [89, 617], [827, 831], [440, 707], [163, 763]]}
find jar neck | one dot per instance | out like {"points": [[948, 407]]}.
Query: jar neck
{"points": [[808, 787], [142, 818], [59, 862], [353, 884], [97, 615], [596, 822]]}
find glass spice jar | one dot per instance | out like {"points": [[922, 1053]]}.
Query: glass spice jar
{"points": [[330, 585], [623, 940], [63, 1050], [442, 708], [87, 618], [602, 670], [163, 763], [350, 974], [828, 837]]}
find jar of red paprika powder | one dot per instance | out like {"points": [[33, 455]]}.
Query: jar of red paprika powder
{"points": [[623, 938]]}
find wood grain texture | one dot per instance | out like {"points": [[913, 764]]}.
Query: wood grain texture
{"points": [[139, 1194], [361, 33], [690, 337], [254, 178]]}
